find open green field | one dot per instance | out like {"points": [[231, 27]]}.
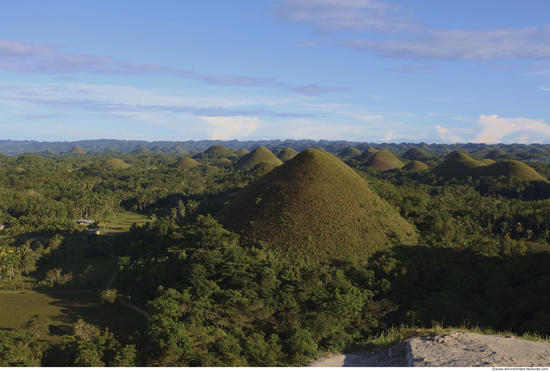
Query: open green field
{"points": [[78, 298], [65, 308]]}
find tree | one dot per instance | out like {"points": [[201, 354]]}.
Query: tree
{"points": [[18, 348], [108, 296], [85, 331], [38, 325]]}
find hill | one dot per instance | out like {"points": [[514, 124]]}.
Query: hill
{"points": [[350, 151], [415, 166], [286, 154], [415, 153], [141, 150], [316, 208], [258, 155], [457, 165], [386, 156], [186, 163], [380, 164], [110, 151], [366, 155], [77, 150], [460, 165], [493, 155], [215, 152], [241, 152], [509, 168], [114, 163]]}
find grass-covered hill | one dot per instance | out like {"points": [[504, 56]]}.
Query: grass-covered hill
{"points": [[142, 150], [415, 166], [114, 163], [386, 156], [415, 153], [286, 154], [366, 155], [241, 152], [255, 157], [510, 168], [380, 164], [77, 150], [459, 165], [215, 152], [493, 155], [186, 163], [350, 151], [314, 207], [110, 151]]}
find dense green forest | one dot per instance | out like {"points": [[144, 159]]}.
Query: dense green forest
{"points": [[462, 238]]}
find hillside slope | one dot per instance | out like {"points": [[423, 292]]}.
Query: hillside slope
{"points": [[316, 208]]}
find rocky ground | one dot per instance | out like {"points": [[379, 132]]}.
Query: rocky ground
{"points": [[457, 349]]}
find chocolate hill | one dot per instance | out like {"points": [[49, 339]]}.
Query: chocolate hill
{"points": [[316, 208], [415, 153], [380, 164], [77, 150], [393, 161], [459, 165], [114, 163], [257, 156], [415, 166], [186, 163], [215, 152], [286, 154], [350, 151]]}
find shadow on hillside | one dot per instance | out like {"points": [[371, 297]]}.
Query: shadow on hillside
{"points": [[505, 290]]}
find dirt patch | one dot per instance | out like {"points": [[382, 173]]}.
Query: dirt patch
{"points": [[393, 357], [457, 349], [461, 349]]}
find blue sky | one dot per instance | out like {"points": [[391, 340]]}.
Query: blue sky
{"points": [[358, 70]]}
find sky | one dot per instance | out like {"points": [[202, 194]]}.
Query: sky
{"points": [[358, 70]]}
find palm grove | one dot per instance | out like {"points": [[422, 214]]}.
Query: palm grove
{"points": [[270, 257]]}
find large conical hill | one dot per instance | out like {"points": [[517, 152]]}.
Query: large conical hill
{"points": [[186, 163], [415, 166], [256, 156], [417, 154], [316, 208], [77, 150], [509, 168], [215, 152], [241, 152], [380, 164], [386, 156], [114, 163], [286, 154], [350, 151], [457, 165], [460, 165], [141, 150], [366, 155], [493, 155]]}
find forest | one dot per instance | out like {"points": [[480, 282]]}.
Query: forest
{"points": [[264, 254]]}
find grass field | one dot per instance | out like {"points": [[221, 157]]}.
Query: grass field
{"points": [[63, 309], [65, 305]]}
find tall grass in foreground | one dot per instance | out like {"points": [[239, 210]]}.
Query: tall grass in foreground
{"points": [[395, 335]]}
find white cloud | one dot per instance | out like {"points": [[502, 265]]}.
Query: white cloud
{"points": [[495, 129], [531, 43], [389, 136], [447, 136], [375, 15], [232, 127]]}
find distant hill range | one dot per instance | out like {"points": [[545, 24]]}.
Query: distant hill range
{"points": [[410, 151]]}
